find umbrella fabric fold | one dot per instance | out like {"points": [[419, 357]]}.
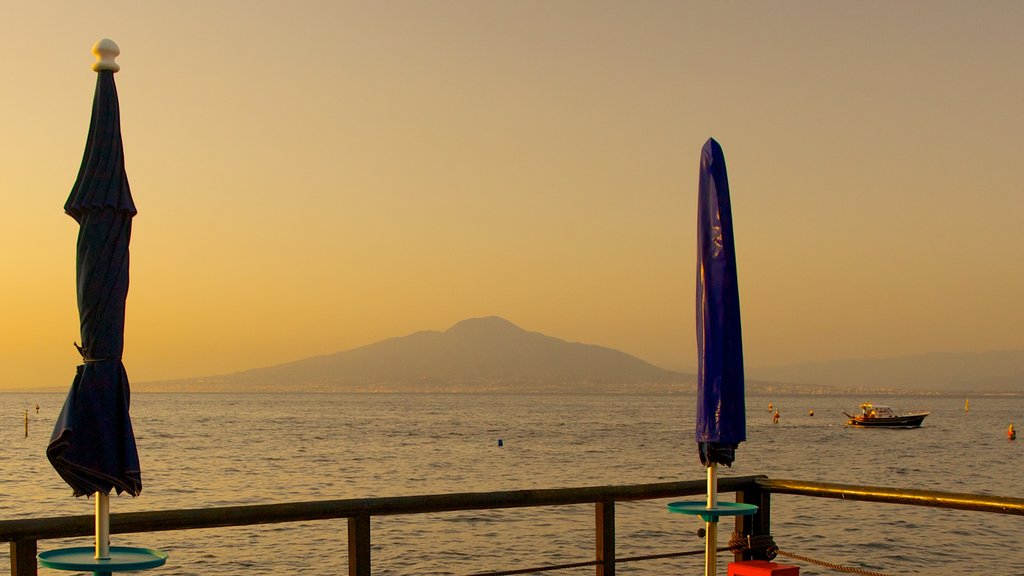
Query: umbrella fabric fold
{"points": [[102, 181], [93, 444], [721, 417]]}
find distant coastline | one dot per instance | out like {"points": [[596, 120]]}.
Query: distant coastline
{"points": [[491, 355], [752, 391]]}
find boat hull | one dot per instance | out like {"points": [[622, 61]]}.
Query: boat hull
{"points": [[905, 421]]}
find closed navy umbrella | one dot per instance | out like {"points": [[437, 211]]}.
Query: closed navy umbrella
{"points": [[93, 446], [721, 417]]}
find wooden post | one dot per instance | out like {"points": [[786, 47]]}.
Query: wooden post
{"points": [[359, 545], [759, 524], [604, 516], [23, 558]]}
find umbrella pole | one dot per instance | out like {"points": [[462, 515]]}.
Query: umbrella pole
{"points": [[711, 526], [102, 526]]}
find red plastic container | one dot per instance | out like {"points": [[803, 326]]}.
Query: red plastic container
{"points": [[762, 568]]}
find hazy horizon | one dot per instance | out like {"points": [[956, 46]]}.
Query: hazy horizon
{"points": [[434, 361], [317, 176]]}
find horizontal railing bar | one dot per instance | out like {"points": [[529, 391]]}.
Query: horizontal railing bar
{"points": [[953, 500], [196, 518]]}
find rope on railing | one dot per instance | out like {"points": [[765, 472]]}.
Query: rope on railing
{"points": [[763, 543], [596, 562], [533, 570], [766, 544], [664, 555], [836, 567]]}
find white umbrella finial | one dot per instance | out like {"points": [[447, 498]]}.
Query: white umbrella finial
{"points": [[106, 50]]}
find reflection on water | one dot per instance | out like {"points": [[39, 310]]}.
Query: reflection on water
{"points": [[218, 450]]}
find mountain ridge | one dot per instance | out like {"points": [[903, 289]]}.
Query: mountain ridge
{"points": [[492, 355], [487, 354]]}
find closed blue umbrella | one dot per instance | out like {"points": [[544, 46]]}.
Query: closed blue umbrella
{"points": [[93, 446], [721, 418]]}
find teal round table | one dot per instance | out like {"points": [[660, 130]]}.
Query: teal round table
{"points": [[84, 559], [711, 514]]}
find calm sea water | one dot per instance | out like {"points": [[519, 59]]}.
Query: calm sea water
{"points": [[218, 450]]}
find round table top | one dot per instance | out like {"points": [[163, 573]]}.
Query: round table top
{"points": [[84, 558], [711, 514]]}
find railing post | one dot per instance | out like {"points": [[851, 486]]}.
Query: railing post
{"points": [[359, 545], [759, 524], [23, 558], [604, 516]]}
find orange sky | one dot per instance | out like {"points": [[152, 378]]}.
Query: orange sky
{"points": [[316, 176]]}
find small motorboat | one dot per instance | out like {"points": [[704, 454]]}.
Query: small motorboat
{"points": [[878, 416]]}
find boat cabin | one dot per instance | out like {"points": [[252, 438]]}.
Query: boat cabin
{"points": [[869, 410]]}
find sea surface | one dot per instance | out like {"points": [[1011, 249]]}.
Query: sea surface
{"points": [[205, 450]]}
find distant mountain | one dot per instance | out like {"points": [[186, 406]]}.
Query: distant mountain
{"points": [[477, 355], [993, 372], [494, 355]]}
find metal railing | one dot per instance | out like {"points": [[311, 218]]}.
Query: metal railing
{"points": [[24, 535], [952, 500]]}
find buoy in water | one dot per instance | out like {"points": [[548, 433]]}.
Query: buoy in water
{"points": [[1011, 433], [500, 443], [775, 418], [810, 412]]}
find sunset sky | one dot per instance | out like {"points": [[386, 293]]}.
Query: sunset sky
{"points": [[317, 176]]}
